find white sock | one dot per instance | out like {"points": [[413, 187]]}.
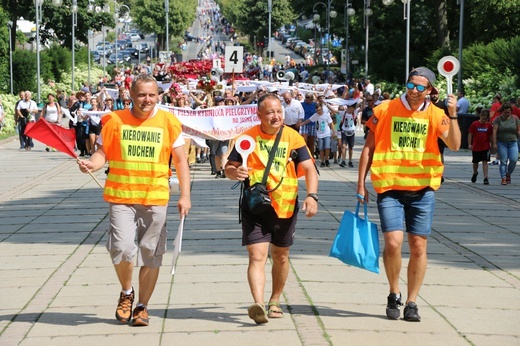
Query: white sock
{"points": [[127, 292]]}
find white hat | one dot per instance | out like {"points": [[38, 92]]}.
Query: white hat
{"points": [[272, 89]]}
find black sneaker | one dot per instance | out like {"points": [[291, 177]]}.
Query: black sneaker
{"points": [[327, 163], [218, 175], [350, 164], [342, 164], [392, 307], [474, 177], [222, 174], [486, 181], [335, 161], [411, 312], [322, 164], [124, 306]]}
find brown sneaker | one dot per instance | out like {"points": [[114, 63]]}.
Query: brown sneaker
{"points": [[124, 307], [140, 316]]}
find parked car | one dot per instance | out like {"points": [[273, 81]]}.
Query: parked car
{"points": [[134, 36], [133, 52], [290, 40], [105, 50], [138, 32], [120, 58], [102, 43], [121, 44], [189, 37], [95, 56], [145, 48], [297, 45]]}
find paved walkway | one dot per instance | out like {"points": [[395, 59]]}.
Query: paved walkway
{"points": [[59, 288]]}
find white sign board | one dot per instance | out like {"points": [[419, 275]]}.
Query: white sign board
{"points": [[234, 59], [216, 63]]}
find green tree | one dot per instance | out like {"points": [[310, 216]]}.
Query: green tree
{"points": [[252, 17], [152, 17]]}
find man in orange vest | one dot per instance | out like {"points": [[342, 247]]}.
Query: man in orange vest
{"points": [[402, 154], [276, 225], [137, 143]]}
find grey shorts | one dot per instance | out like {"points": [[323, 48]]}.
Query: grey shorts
{"points": [[148, 223], [218, 148]]}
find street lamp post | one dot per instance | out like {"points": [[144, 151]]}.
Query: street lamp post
{"points": [[38, 6], [406, 15], [74, 11], [349, 12], [89, 33], [330, 14], [10, 26], [167, 14], [117, 7], [368, 13], [270, 10], [461, 34]]}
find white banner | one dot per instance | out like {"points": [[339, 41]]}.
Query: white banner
{"points": [[216, 123]]}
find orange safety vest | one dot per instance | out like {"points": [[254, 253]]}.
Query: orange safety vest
{"points": [[283, 199], [406, 155], [138, 153]]}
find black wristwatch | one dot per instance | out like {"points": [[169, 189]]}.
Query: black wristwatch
{"points": [[314, 196]]}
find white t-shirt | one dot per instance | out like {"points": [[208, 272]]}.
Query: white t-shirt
{"points": [[324, 122], [51, 113], [348, 126], [29, 107], [293, 112]]}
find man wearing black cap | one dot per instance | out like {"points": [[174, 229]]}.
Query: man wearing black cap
{"points": [[403, 157]]}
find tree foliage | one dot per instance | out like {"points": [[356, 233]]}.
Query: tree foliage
{"points": [[151, 17]]}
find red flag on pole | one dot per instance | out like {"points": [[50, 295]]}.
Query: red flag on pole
{"points": [[53, 135]]}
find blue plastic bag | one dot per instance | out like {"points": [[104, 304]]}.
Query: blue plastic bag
{"points": [[357, 241]]}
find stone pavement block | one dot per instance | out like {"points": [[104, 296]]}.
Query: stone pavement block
{"points": [[338, 272], [21, 282], [462, 277], [123, 338], [493, 340], [92, 320], [8, 249], [468, 296], [49, 237], [371, 317], [469, 320], [238, 257], [400, 337], [209, 274], [221, 293], [210, 317], [358, 293], [257, 337]]}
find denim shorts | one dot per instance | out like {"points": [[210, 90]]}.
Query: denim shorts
{"points": [[324, 143], [413, 208]]}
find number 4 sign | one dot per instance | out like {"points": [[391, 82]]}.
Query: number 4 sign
{"points": [[234, 59]]}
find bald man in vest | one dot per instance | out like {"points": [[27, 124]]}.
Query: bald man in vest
{"points": [[275, 226], [402, 154], [137, 143]]}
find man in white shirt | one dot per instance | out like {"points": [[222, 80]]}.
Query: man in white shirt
{"points": [[294, 112], [26, 111], [369, 87]]}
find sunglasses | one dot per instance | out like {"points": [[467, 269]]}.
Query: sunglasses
{"points": [[420, 88]]}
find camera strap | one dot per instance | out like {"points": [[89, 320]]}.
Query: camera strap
{"points": [[271, 159]]}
